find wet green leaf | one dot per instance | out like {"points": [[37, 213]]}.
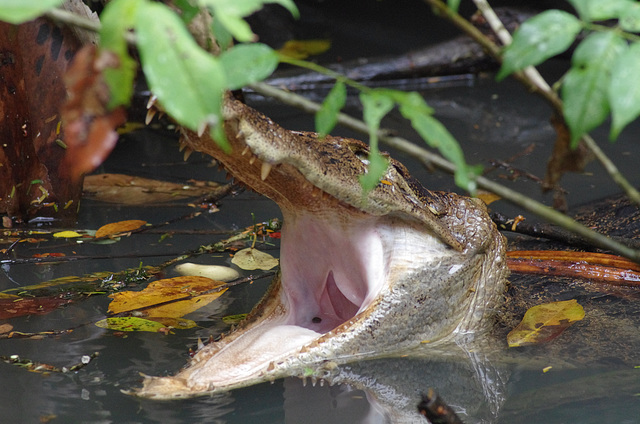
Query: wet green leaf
{"points": [[630, 17], [538, 39], [545, 322], [376, 104], [19, 11], [117, 19], [585, 86], [415, 109], [327, 116], [248, 63], [599, 10], [187, 80], [231, 12], [624, 90], [250, 259]]}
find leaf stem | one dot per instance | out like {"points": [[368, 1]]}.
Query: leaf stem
{"points": [[406, 146]]}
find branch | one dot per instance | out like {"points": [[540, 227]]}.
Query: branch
{"points": [[429, 158], [530, 77]]}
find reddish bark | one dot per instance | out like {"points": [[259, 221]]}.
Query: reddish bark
{"points": [[33, 58]]}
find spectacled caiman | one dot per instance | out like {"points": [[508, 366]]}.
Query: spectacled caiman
{"points": [[362, 275]]}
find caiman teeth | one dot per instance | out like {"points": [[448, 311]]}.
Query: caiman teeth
{"points": [[149, 117], [187, 153], [201, 128], [152, 101], [252, 160], [245, 151], [264, 171]]}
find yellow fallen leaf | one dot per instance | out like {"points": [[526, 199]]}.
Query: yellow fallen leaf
{"points": [[545, 322], [487, 197], [66, 234], [301, 49], [172, 297], [250, 259], [119, 227]]}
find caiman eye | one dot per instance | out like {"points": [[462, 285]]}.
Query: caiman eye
{"points": [[360, 150]]}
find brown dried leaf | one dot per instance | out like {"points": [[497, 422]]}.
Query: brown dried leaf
{"points": [[131, 190], [119, 227], [89, 126], [11, 308]]}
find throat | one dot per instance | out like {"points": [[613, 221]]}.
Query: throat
{"points": [[333, 266]]}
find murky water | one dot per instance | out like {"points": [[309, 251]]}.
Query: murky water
{"points": [[493, 121]]}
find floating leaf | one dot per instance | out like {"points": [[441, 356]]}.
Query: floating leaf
{"points": [[172, 297], [250, 259], [119, 227], [11, 308], [539, 38], [215, 272], [131, 190], [66, 234], [131, 324], [233, 319], [302, 49], [545, 322]]}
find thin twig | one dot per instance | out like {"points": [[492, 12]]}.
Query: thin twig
{"points": [[69, 18], [429, 158]]}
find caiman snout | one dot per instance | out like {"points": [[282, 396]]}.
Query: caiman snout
{"points": [[362, 275]]}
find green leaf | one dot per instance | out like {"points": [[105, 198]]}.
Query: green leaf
{"points": [[415, 109], [624, 90], [453, 5], [327, 116], [117, 18], [599, 10], [248, 63], [585, 86], [154, 325], [376, 104], [538, 39], [19, 11], [630, 17], [231, 12], [187, 80]]}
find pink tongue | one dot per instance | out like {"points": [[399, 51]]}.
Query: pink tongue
{"points": [[343, 307]]}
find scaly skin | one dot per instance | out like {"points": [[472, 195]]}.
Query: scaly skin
{"points": [[361, 276]]}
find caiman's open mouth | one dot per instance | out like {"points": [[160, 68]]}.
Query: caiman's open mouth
{"points": [[361, 275]]}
